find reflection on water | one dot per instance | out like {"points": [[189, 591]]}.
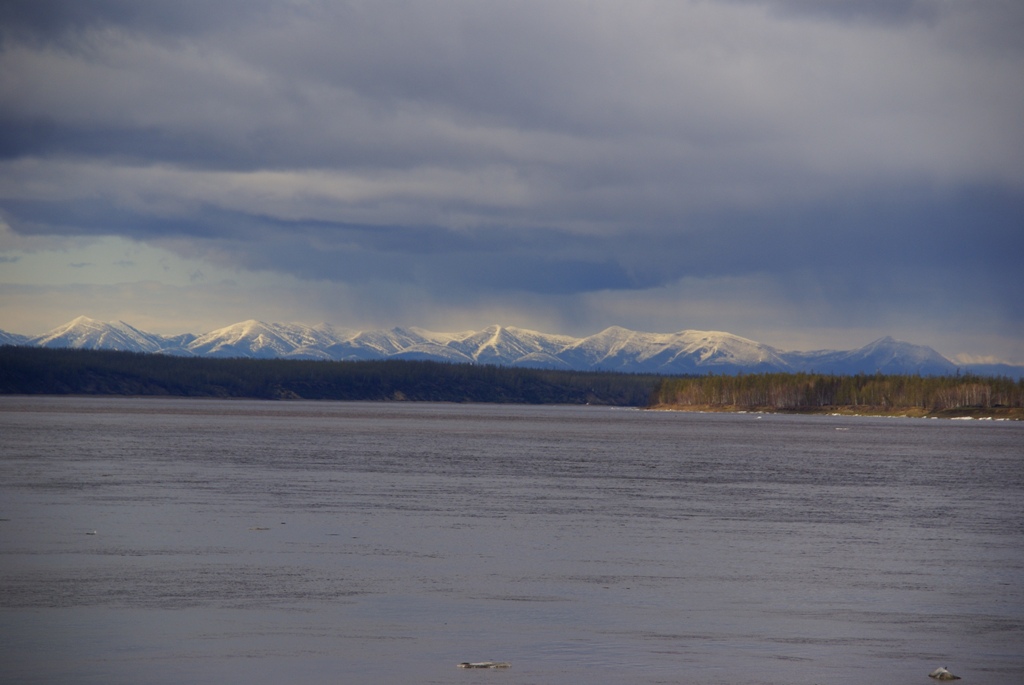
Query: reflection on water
{"points": [[308, 542]]}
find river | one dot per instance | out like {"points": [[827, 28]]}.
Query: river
{"points": [[215, 541]]}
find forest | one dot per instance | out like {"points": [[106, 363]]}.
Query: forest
{"points": [[28, 370], [877, 394], [32, 371]]}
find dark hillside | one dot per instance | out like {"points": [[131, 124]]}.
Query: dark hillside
{"points": [[32, 371], [27, 370]]}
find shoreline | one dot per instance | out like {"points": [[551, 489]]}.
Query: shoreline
{"points": [[962, 413]]}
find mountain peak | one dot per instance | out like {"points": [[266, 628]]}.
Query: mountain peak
{"points": [[85, 333], [615, 348], [885, 341]]}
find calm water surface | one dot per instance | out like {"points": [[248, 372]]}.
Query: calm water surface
{"points": [[258, 542]]}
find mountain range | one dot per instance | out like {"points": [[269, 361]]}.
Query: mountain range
{"points": [[613, 349]]}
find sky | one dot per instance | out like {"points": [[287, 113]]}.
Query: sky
{"points": [[806, 173]]}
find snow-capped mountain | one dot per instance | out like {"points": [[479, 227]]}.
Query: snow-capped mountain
{"points": [[13, 339], [266, 341], [84, 333], [620, 349], [506, 345], [882, 354], [613, 349]]}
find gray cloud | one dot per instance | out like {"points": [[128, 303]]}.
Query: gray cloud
{"points": [[890, 12], [479, 150], [57, 20]]}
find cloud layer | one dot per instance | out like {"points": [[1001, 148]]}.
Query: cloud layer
{"points": [[863, 162]]}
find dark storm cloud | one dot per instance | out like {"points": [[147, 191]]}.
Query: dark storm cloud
{"points": [[51, 20], [858, 249], [346, 84]]}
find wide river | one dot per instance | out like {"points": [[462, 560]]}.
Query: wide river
{"points": [[173, 541]]}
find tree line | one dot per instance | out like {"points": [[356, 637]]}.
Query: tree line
{"points": [[809, 391], [30, 370], [34, 370]]}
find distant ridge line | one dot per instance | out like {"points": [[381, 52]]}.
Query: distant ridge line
{"points": [[613, 349]]}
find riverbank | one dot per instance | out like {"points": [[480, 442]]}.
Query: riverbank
{"points": [[950, 397], [979, 413]]}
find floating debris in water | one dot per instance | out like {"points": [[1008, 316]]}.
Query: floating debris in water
{"points": [[91, 532], [942, 673], [485, 664]]}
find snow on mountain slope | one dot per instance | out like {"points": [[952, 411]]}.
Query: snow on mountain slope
{"points": [[13, 339], [718, 349], [507, 345], [894, 356], [884, 355], [431, 351], [613, 349], [308, 352], [267, 340], [245, 339], [85, 333], [542, 360], [177, 344], [387, 342], [351, 345], [621, 349]]}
